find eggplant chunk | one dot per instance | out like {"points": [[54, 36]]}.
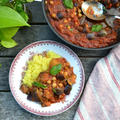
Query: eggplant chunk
{"points": [[30, 96], [90, 36], [60, 15], [60, 77], [102, 33], [34, 96], [67, 89], [58, 91], [82, 20]]}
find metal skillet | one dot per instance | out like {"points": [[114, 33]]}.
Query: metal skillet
{"points": [[46, 17]]}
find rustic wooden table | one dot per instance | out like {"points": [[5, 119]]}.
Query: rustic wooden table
{"points": [[39, 30]]}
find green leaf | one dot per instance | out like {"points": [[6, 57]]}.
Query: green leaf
{"points": [[8, 32], [37, 84], [54, 90], [55, 69], [68, 3], [24, 15], [19, 6], [8, 43], [1, 35], [30, 0], [10, 18], [96, 28], [5, 36], [22, 1], [4, 2], [0, 65]]}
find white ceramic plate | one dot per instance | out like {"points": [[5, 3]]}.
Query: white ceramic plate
{"points": [[16, 70]]}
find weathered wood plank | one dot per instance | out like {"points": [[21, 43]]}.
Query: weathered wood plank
{"points": [[4, 73], [10, 110], [88, 64], [43, 32], [35, 12]]}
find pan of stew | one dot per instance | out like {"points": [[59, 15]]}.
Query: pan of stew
{"points": [[69, 23]]}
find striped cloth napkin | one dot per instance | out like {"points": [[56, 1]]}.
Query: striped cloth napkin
{"points": [[101, 98]]}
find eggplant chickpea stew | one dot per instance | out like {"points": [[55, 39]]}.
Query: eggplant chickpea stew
{"points": [[52, 85], [67, 18]]}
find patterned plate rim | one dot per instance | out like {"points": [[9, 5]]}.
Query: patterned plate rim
{"points": [[29, 109]]}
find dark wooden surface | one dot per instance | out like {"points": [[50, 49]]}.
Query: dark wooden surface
{"points": [[39, 30]]}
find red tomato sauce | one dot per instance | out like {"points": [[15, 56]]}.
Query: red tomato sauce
{"points": [[76, 28]]}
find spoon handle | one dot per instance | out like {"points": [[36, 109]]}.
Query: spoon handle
{"points": [[39, 0], [118, 17]]}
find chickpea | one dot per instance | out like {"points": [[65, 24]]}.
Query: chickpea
{"points": [[68, 10], [51, 2], [68, 64], [76, 23], [68, 27], [61, 96], [69, 19], [79, 14], [54, 78], [46, 2], [61, 25], [53, 15], [66, 68], [74, 8], [65, 74], [75, 13], [65, 21], [49, 81], [72, 15], [61, 72], [60, 85], [74, 76], [54, 85], [79, 11]]}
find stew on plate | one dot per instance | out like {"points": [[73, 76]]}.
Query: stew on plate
{"points": [[52, 85]]}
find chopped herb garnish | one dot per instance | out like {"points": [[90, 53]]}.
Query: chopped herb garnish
{"points": [[68, 3], [96, 28], [37, 84], [55, 69], [54, 90], [71, 29], [67, 25]]}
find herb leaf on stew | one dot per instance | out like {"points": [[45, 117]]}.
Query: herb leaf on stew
{"points": [[54, 90], [37, 84], [97, 28], [55, 69], [68, 3]]}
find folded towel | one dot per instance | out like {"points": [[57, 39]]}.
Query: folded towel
{"points": [[101, 98]]}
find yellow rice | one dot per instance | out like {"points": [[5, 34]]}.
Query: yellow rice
{"points": [[36, 65]]}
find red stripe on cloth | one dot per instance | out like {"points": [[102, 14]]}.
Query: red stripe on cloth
{"points": [[80, 114], [111, 73]]}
